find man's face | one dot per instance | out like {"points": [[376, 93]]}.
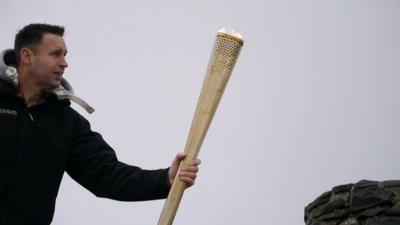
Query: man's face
{"points": [[48, 62]]}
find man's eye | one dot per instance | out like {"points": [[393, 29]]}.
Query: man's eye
{"points": [[56, 54]]}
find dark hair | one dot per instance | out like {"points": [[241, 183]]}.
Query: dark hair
{"points": [[32, 34]]}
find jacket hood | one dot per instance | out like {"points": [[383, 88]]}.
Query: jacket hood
{"points": [[9, 73]]}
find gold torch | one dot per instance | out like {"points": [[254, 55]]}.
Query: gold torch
{"points": [[223, 58]]}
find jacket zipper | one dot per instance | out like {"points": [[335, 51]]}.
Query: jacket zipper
{"points": [[17, 169], [30, 116]]}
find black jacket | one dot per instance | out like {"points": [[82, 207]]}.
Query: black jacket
{"points": [[39, 143]]}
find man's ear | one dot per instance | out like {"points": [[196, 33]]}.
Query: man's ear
{"points": [[26, 55]]}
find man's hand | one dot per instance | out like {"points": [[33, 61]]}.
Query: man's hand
{"points": [[187, 174]]}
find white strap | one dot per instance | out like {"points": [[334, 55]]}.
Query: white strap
{"points": [[78, 101], [12, 74]]}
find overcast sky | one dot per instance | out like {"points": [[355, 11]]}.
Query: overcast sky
{"points": [[313, 101]]}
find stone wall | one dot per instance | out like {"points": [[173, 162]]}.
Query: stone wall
{"points": [[363, 203]]}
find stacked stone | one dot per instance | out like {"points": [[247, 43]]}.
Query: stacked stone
{"points": [[363, 203]]}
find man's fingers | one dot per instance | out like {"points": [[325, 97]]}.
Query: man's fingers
{"points": [[191, 175], [187, 174], [187, 180], [179, 157], [190, 169], [195, 162]]}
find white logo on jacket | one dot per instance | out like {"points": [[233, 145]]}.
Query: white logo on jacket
{"points": [[8, 112]]}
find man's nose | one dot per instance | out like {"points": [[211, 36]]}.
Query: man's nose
{"points": [[63, 62]]}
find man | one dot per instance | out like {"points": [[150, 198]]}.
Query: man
{"points": [[41, 136]]}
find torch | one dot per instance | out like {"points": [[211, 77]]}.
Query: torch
{"points": [[223, 58]]}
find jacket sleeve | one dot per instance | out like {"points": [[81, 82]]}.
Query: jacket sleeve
{"points": [[94, 165]]}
